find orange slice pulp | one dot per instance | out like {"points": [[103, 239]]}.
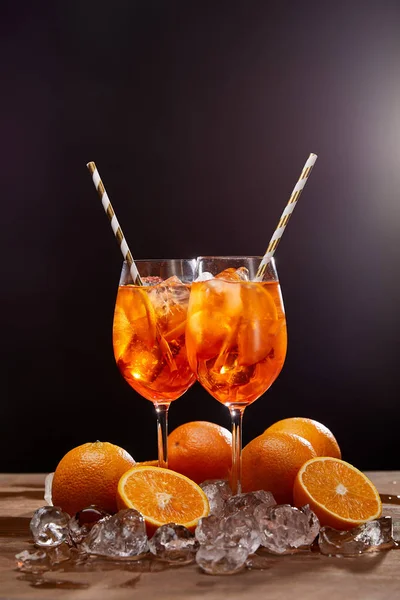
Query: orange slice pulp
{"points": [[162, 496], [340, 495]]}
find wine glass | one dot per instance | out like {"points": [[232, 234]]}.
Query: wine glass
{"points": [[235, 336], [149, 335]]}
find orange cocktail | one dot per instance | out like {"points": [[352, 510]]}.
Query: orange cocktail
{"points": [[236, 336], [149, 336], [149, 339]]}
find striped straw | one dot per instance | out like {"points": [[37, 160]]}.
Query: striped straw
{"points": [[284, 220], [105, 200]]}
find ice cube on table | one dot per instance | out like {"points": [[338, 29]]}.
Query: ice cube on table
{"points": [[121, 536], [284, 527], [173, 543], [82, 522], [229, 530], [208, 529], [221, 559], [247, 502], [370, 536], [49, 526], [241, 529], [314, 525], [217, 492]]}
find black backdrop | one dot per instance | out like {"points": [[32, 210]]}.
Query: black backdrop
{"points": [[200, 116]]}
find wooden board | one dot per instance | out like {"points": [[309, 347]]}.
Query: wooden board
{"points": [[301, 577]]}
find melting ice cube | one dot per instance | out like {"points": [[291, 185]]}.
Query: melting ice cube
{"points": [[285, 527], [173, 543], [370, 536], [49, 526], [121, 536], [82, 522], [221, 559], [249, 501], [217, 492]]}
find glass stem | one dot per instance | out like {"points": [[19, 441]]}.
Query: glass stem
{"points": [[162, 434], [237, 419]]}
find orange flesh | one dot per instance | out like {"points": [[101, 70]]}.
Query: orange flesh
{"points": [[341, 489], [163, 497]]}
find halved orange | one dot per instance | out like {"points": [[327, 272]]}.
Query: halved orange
{"points": [[340, 495], [162, 496]]}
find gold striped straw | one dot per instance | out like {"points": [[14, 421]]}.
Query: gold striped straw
{"points": [[126, 253], [283, 221], [105, 200]]}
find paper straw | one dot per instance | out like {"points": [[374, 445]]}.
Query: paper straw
{"points": [[105, 200], [283, 221], [126, 253]]}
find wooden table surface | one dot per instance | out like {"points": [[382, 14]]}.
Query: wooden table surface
{"points": [[297, 577]]}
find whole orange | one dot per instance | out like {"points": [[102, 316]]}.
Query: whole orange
{"points": [[89, 474], [271, 461], [320, 437], [200, 450]]}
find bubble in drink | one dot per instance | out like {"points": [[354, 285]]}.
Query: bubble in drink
{"points": [[370, 536], [49, 526], [121, 536], [173, 543]]}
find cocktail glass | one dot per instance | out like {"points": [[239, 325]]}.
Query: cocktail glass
{"points": [[149, 335], [236, 336]]}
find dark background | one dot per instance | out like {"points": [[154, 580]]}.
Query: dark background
{"points": [[200, 116]]}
